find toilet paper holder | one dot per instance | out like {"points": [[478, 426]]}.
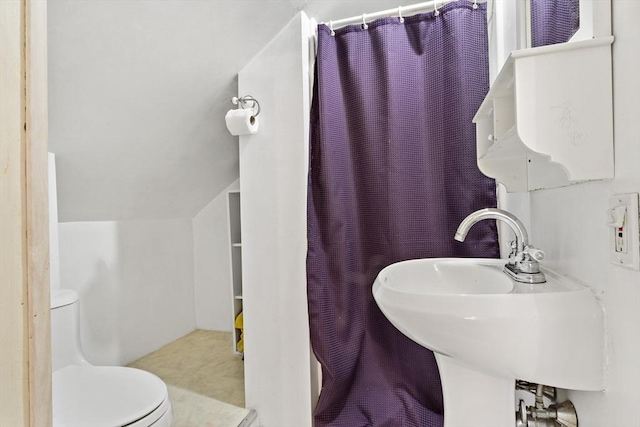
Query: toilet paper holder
{"points": [[244, 100]]}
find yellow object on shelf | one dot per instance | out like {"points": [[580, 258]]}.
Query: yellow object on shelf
{"points": [[239, 324]]}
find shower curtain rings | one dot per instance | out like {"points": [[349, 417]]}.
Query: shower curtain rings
{"points": [[364, 21], [475, 4], [400, 14], [436, 12], [333, 33]]}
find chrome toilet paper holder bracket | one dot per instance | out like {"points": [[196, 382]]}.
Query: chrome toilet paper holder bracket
{"points": [[244, 100]]}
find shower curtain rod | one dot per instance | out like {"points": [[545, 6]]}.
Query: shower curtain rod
{"points": [[399, 11]]}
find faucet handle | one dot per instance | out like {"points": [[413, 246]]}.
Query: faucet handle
{"points": [[535, 253]]}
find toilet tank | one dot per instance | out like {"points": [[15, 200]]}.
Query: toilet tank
{"points": [[65, 329]]}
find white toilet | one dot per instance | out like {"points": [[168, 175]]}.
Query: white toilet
{"points": [[98, 396]]}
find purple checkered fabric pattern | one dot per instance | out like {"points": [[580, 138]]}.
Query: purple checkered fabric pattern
{"points": [[392, 173], [553, 21]]}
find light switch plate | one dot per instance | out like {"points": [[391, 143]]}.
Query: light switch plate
{"points": [[624, 242]]}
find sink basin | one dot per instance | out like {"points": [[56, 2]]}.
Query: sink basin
{"points": [[447, 276], [486, 328]]}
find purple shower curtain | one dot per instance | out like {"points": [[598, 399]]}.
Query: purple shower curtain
{"points": [[392, 173], [553, 21]]}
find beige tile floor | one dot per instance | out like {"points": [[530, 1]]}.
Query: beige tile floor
{"points": [[201, 362]]}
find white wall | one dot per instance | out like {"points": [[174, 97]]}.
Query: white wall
{"points": [[212, 264], [135, 280], [144, 283], [570, 225], [273, 170], [137, 93], [54, 262]]}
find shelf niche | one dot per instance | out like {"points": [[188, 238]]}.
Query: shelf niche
{"points": [[235, 241], [547, 120]]}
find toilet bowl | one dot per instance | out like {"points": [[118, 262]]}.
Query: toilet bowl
{"points": [[98, 396]]}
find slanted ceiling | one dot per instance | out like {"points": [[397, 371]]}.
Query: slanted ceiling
{"points": [[138, 90]]}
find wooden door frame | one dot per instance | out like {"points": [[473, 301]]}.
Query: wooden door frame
{"points": [[24, 214], [38, 286]]}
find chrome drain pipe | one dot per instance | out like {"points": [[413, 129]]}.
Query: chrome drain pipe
{"points": [[562, 414]]}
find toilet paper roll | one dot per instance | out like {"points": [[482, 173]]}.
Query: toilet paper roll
{"points": [[241, 122]]}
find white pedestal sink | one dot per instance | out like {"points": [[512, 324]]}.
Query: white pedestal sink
{"points": [[487, 330]]}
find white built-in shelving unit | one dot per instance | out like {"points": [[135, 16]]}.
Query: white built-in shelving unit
{"points": [[548, 119], [235, 245]]}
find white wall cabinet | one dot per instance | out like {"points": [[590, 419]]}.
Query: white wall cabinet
{"points": [[547, 120], [235, 245]]}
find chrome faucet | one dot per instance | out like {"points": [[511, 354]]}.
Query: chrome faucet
{"points": [[523, 260]]}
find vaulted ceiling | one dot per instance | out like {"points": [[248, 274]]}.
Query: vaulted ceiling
{"points": [[138, 90]]}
